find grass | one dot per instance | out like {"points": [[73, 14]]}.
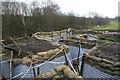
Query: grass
{"points": [[113, 26], [104, 41]]}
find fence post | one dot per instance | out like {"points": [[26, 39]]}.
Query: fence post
{"points": [[71, 31], [66, 32], [32, 66], [52, 37], [60, 35], [82, 64], [11, 64], [76, 62], [78, 50], [34, 72], [38, 71], [65, 56]]}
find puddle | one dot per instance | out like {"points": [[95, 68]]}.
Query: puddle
{"points": [[113, 33], [57, 38], [91, 38], [5, 69]]}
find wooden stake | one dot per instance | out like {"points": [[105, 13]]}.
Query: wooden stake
{"points": [[60, 35], [38, 71], [52, 37], [13, 40], [82, 65], [34, 72], [2, 43], [66, 32], [78, 51], [11, 65], [19, 52], [65, 56], [32, 66]]}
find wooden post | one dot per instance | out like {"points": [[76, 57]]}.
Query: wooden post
{"points": [[82, 64], [11, 65], [13, 40], [38, 71], [78, 51], [65, 56], [71, 32], [52, 37], [34, 72], [1, 70], [32, 66], [2, 77], [66, 32], [60, 35]]}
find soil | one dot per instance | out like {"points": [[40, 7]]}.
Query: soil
{"points": [[32, 45], [113, 38], [108, 51]]}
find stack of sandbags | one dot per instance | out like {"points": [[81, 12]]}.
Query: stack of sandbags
{"points": [[66, 71]]}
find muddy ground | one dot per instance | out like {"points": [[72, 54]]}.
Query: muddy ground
{"points": [[32, 46], [108, 51]]}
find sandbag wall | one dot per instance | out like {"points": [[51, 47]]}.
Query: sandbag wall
{"points": [[65, 72], [42, 56], [105, 65], [84, 42]]}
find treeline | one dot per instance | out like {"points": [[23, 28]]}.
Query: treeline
{"points": [[19, 19]]}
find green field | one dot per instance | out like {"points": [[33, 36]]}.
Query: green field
{"points": [[113, 26]]}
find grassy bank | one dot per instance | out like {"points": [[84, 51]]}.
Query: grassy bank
{"points": [[113, 26]]}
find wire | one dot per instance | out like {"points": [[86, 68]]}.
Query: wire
{"points": [[19, 74], [26, 71], [71, 64]]}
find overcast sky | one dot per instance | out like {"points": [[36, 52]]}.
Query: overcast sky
{"points": [[84, 7]]}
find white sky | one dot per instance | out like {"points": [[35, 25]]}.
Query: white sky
{"points": [[84, 7]]}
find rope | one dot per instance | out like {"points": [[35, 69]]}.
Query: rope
{"points": [[37, 65], [56, 62], [49, 62], [19, 74], [81, 57], [63, 61], [26, 71], [42, 64], [70, 63], [48, 59]]}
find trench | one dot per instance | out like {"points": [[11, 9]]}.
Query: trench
{"points": [[88, 70]]}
